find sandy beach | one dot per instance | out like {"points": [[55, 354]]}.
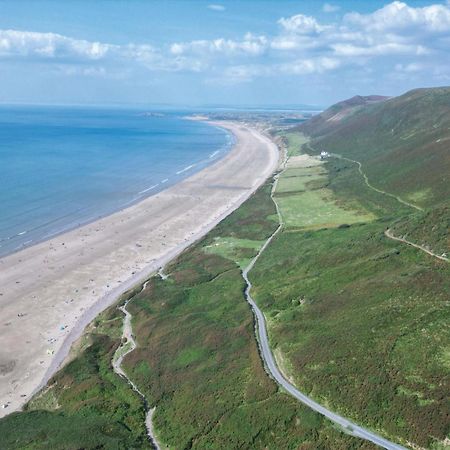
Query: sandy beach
{"points": [[51, 291]]}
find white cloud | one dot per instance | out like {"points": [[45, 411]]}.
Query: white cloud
{"points": [[395, 35], [305, 46], [301, 24], [398, 16], [216, 7], [390, 48], [58, 49], [30, 44], [329, 8], [251, 45]]}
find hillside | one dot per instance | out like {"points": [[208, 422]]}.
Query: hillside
{"points": [[402, 143], [336, 113], [430, 228]]}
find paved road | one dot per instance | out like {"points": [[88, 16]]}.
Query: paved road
{"points": [[274, 371]]}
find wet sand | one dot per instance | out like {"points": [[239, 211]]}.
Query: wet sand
{"points": [[51, 291]]}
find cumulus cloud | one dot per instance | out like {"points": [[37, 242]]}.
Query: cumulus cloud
{"points": [[301, 24], [30, 44], [250, 45], [396, 35], [58, 49], [398, 16], [384, 49]]}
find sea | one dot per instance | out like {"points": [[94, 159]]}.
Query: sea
{"points": [[62, 167]]}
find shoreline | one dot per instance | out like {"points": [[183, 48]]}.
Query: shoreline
{"points": [[167, 223], [161, 186]]}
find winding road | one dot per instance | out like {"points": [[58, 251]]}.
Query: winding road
{"points": [[271, 365]]}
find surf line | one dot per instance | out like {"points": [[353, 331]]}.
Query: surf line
{"points": [[186, 169], [149, 189]]}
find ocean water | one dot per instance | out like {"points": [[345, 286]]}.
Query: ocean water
{"points": [[62, 167]]}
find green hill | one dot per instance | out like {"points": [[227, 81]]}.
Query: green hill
{"points": [[323, 122], [402, 142]]}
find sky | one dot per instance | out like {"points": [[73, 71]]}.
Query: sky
{"points": [[230, 53]]}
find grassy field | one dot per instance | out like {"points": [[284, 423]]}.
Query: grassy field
{"points": [[298, 179], [306, 202], [239, 250], [293, 142]]}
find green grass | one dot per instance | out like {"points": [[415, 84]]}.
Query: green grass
{"points": [[295, 180], [294, 142], [316, 209], [239, 250], [46, 430], [429, 229], [305, 202]]}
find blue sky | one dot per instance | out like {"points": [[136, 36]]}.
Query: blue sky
{"points": [[246, 52]]}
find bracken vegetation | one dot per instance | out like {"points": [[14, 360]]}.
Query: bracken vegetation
{"points": [[430, 229], [359, 321]]}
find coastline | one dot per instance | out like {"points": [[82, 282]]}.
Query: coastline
{"points": [[171, 180], [84, 271]]}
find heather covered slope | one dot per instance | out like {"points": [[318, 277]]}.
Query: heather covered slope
{"points": [[429, 229], [321, 123], [403, 143]]}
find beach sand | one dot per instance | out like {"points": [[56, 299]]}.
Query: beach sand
{"points": [[51, 291]]}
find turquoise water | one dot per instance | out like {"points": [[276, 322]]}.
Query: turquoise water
{"points": [[62, 167]]}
